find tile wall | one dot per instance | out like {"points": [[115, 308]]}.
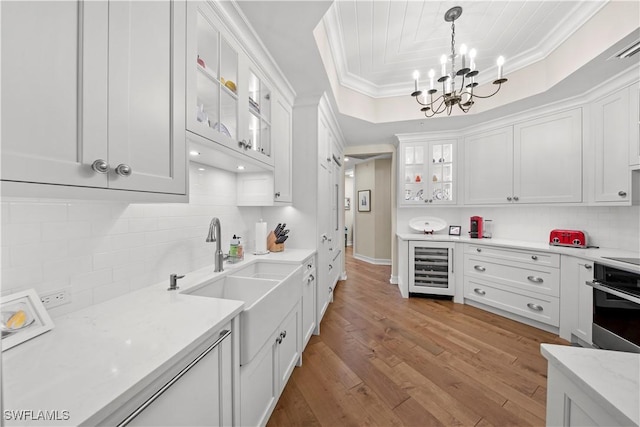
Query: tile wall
{"points": [[610, 227], [100, 250]]}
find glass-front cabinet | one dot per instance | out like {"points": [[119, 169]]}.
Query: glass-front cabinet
{"points": [[427, 172], [259, 115], [228, 102]]}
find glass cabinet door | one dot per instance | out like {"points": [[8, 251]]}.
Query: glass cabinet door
{"points": [[217, 76], [259, 115], [441, 188], [414, 173]]}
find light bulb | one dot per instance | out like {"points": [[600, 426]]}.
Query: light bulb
{"points": [[416, 76], [500, 63], [463, 54], [443, 61], [432, 74], [472, 63]]}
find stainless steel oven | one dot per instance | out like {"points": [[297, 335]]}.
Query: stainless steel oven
{"points": [[616, 308]]}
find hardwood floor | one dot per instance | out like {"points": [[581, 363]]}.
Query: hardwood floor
{"points": [[381, 360]]}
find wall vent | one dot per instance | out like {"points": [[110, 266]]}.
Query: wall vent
{"points": [[628, 51]]}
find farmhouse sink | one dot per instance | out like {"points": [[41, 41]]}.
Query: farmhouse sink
{"points": [[266, 270], [269, 291]]}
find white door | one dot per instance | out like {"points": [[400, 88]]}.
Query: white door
{"points": [[489, 167], [147, 95], [54, 91], [548, 159]]}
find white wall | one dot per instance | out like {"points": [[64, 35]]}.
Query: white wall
{"points": [[102, 250], [610, 227]]}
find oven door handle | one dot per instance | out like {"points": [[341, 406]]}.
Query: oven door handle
{"points": [[597, 285]]}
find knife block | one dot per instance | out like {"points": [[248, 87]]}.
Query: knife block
{"points": [[272, 245]]}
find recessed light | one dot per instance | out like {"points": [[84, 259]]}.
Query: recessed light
{"points": [[194, 153], [346, 159], [240, 168], [200, 169]]}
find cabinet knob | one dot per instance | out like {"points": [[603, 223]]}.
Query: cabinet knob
{"points": [[622, 193], [100, 166], [535, 279], [283, 334], [277, 194], [330, 288], [309, 265], [123, 170], [588, 266], [534, 257], [478, 250], [330, 267], [479, 291], [516, 198], [311, 278], [535, 307], [509, 198], [479, 268], [279, 340]]}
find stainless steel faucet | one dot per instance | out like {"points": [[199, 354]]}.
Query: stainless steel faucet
{"points": [[215, 236]]}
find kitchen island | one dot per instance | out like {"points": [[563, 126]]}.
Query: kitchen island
{"points": [[592, 387]]}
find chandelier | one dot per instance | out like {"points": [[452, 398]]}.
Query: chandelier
{"points": [[463, 95]]}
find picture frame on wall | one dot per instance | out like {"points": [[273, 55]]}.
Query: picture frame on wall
{"points": [[23, 317], [364, 201], [347, 203]]}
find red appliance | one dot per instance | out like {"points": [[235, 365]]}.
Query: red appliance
{"points": [[573, 238], [476, 227]]}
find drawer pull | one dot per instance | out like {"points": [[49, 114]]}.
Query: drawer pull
{"points": [[588, 266], [311, 278], [534, 257], [478, 250], [535, 279], [535, 307], [479, 291], [479, 268]]}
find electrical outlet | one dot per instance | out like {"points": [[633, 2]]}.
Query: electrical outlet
{"points": [[56, 298]]}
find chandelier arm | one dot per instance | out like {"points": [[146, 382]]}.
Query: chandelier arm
{"points": [[418, 101], [488, 96]]}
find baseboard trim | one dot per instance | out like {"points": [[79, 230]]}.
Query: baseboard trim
{"points": [[372, 260], [393, 280]]}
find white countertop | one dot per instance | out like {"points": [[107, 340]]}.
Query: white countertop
{"points": [[97, 358], [611, 378], [591, 254]]}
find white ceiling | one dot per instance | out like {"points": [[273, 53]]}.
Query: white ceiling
{"points": [[531, 29], [378, 44]]}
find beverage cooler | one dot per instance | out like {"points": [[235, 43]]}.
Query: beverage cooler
{"points": [[431, 268]]}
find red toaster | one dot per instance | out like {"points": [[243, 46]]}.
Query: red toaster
{"points": [[573, 238]]}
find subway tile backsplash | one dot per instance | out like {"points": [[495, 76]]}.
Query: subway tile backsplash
{"points": [[101, 250], [606, 226]]}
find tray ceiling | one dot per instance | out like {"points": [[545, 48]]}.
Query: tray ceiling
{"points": [[376, 45]]}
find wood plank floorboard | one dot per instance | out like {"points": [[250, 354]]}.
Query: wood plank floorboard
{"points": [[382, 360]]}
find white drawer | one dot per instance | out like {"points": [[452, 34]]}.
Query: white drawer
{"points": [[539, 279], [531, 257], [544, 309]]}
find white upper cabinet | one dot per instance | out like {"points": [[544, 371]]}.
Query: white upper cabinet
{"points": [[614, 133], [535, 161], [427, 172], [98, 101], [282, 119], [634, 124], [488, 162], [229, 100], [548, 159]]}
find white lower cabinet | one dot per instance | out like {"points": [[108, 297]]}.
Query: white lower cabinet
{"points": [[524, 283], [308, 301], [568, 404], [201, 393], [263, 379], [576, 300]]}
